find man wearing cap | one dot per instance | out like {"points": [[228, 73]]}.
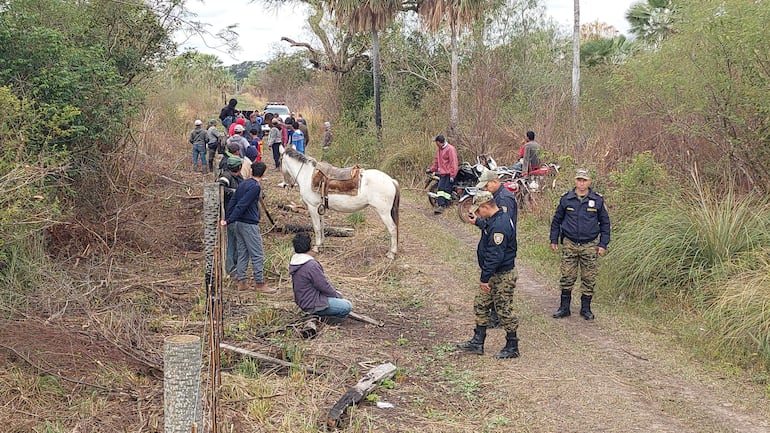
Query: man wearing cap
{"points": [[244, 214], [230, 181], [198, 141], [238, 138], [445, 164], [328, 137], [212, 141], [496, 254], [489, 181], [582, 224]]}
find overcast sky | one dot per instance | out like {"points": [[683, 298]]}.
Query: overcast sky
{"points": [[261, 29]]}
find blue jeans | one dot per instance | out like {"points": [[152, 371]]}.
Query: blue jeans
{"points": [[199, 150], [444, 190], [231, 256], [338, 307], [249, 249]]}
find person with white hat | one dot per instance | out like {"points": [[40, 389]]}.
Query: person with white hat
{"points": [[198, 142]]}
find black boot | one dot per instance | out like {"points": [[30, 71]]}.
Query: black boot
{"points": [[476, 345], [563, 311], [585, 307], [511, 349], [494, 319]]}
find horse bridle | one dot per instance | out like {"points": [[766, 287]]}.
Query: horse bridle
{"points": [[294, 178]]}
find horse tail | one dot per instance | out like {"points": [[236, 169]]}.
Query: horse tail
{"points": [[396, 203]]}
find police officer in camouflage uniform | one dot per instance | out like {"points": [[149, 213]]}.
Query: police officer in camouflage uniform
{"points": [[582, 224], [496, 254], [489, 181]]}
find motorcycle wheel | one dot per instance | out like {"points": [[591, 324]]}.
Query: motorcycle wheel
{"points": [[464, 209], [525, 200], [434, 189]]}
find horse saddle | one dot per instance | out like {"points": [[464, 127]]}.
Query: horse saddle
{"points": [[330, 179]]}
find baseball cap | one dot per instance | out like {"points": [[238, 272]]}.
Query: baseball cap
{"points": [[233, 162], [481, 198], [198, 122], [485, 177], [238, 128], [583, 174], [212, 121]]}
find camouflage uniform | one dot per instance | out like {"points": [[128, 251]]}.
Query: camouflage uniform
{"points": [[501, 296], [579, 257]]}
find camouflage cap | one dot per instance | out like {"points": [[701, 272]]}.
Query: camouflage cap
{"points": [[485, 177], [583, 174], [481, 198]]}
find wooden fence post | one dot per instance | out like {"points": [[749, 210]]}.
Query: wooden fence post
{"points": [[182, 383]]}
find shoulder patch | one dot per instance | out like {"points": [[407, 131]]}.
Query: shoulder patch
{"points": [[498, 238]]}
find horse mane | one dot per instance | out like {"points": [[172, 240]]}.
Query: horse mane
{"points": [[301, 157]]}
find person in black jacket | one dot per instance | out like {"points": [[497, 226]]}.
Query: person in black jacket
{"points": [[496, 254], [581, 223], [230, 181], [227, 115]]}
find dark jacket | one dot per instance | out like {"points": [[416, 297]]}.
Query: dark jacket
{"points": [[312, 289], [228, 110], [230, 183], [244, 206], [505, 201], [496, 252], [581, 221]]}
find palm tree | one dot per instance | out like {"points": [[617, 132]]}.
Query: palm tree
{"points": [[372, 16], [652, 21], [458, 14]]}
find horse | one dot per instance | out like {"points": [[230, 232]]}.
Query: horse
{"points": [[376, 189]]}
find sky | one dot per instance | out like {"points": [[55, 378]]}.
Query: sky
{"points": [[260, 29]]}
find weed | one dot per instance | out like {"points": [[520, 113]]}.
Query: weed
{"points": [[402, 341], [356, 218], [248, 368], [462, 383], [442, 350], [373, 398]]}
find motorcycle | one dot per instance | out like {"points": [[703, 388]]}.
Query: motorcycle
{"points": [[467, 176], [518, 186]]}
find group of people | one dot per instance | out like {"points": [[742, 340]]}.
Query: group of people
{"points": [[241, 173], [580, 224]]}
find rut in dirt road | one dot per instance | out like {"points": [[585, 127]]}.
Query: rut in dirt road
{"points": [[576, 376]]}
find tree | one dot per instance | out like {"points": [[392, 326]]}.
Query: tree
{"points": [[652, 21], [576, 68], [372, 16], [457, 14]]}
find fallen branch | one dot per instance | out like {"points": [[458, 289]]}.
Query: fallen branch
{"points": [[266, 358], [365, 319], [357, 393]]}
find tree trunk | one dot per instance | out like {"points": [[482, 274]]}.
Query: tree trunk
{"points": [[576, 73], [376, 81], [181, 383], [454, 112]]}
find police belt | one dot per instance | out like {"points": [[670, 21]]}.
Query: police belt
{"points": [[581, 243]]}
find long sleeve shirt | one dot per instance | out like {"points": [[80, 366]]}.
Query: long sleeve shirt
{"points": [[445, 161]]}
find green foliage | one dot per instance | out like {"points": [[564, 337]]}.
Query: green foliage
{"points": [[636, 181], [282, 73]]}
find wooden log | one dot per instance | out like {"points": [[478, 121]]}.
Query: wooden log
{"points": [[338, 232], [267, 358], [366, 385], [181, 382], [365, 319]]}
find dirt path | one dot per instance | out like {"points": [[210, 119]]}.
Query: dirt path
{"points": [[573, 375]]}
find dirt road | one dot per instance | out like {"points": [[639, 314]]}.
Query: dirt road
{"points": [[573, 375]]}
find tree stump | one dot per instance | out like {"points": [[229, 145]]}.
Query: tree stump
{"points": [[181, 383]]}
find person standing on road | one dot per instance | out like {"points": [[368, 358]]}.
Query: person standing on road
{"points": [[313, 293], [489, 181], [227, 114], [582, 224], [230, 181], [328, 137], [496, 254], [274, 140], [198, 142], [445, 163], [212, 142], [244, 213]]}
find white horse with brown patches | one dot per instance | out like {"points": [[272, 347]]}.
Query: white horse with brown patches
{"points": [[365, 188]]}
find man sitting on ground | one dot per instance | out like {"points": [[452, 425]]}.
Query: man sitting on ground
{"points": [[312, 291]]}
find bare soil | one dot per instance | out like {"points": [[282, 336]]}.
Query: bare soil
{"points": [[79, 372]]}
